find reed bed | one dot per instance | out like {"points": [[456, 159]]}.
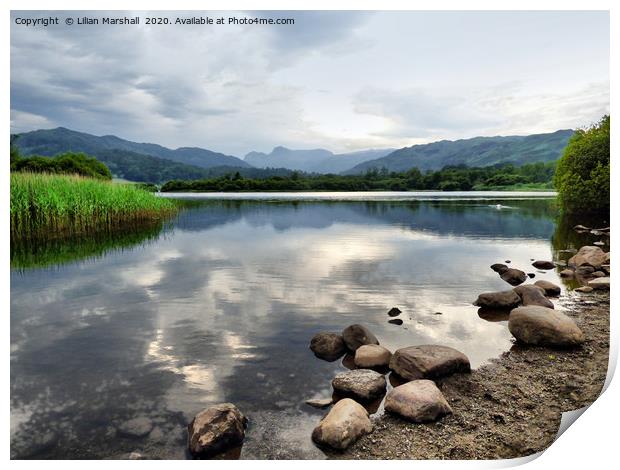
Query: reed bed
{"points": [[55, 206]]}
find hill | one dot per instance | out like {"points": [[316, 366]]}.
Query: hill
{"points": [[475, 152], [312, 161], [49, 142]]}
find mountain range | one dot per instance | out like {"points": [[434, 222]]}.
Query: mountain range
{"points": [[478, 151], [312, 161], [155, 163]]}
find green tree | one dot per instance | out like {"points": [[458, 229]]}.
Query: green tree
{"points": [[582, 175]]}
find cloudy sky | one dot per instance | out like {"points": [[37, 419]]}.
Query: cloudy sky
{"points": [[338, 80]]}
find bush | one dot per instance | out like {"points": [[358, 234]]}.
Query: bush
{"points": [[66, 163], [582, 176]]}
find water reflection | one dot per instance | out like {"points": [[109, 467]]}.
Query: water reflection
{"points": [[223, 307]]}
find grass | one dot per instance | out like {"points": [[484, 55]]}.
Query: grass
{"points": [[517, 187], [55, 206]]}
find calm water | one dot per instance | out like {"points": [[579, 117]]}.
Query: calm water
{"points": [[118, 351]]}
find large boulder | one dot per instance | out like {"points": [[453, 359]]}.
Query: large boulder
{"points": [[419, 401], [328, 346], [372, 355], [499, 268], [215, 430], [544, 326], [363, 384], [357, 335], [543, 264], [345, 423], [589, 256], [498, 300], [513, 276], [550, 288], [428, 362], [601, 283], [533, 295]]}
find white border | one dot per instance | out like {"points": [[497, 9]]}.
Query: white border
{"points": [[591, 443]]}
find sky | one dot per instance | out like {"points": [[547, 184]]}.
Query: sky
{"points": [[343, 81]]}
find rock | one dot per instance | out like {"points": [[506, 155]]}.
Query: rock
{"points": [[607, 258], [215, 430], [357, 335], [549, 287], [544, 326], [599, 243], [598, 274], [514, 277], [394, 312], [328, 346], [531, 275], [498, 300], [606, 268], [567, 273], [543, 264], [363, 384], [395, 321], [581, 228], [601, 283], [533, 295], [136, 456], [136, 427], [584, 289], [588, 255], [319, 402], [345, 423], [499, 268], [419, 401], [428, 362], [507, 261], [585, 270], [372, 355]]}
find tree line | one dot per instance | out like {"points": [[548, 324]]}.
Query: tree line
{"points": [[450, 178]]}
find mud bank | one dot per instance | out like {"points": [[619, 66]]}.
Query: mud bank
{"points": [[508, 408]]}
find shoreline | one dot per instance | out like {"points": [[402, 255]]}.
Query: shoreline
{"points": [[508, 408]]}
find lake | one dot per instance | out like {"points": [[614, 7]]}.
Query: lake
{"points": [[117, 342]]}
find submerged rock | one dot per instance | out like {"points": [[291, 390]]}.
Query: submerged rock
{"points": [[550, 288], [533, 295], [395, 321], [394, 312], [419, 401], [345, 423], [428, 362], [544, 326], [514, 276], [543, 264], [328, 346], [215, 430], [590, 256], [372, 355], [136, 427], [319, 402], [602, 283], [498, 300], [357, 335], [363, 384], [499, 268]]}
